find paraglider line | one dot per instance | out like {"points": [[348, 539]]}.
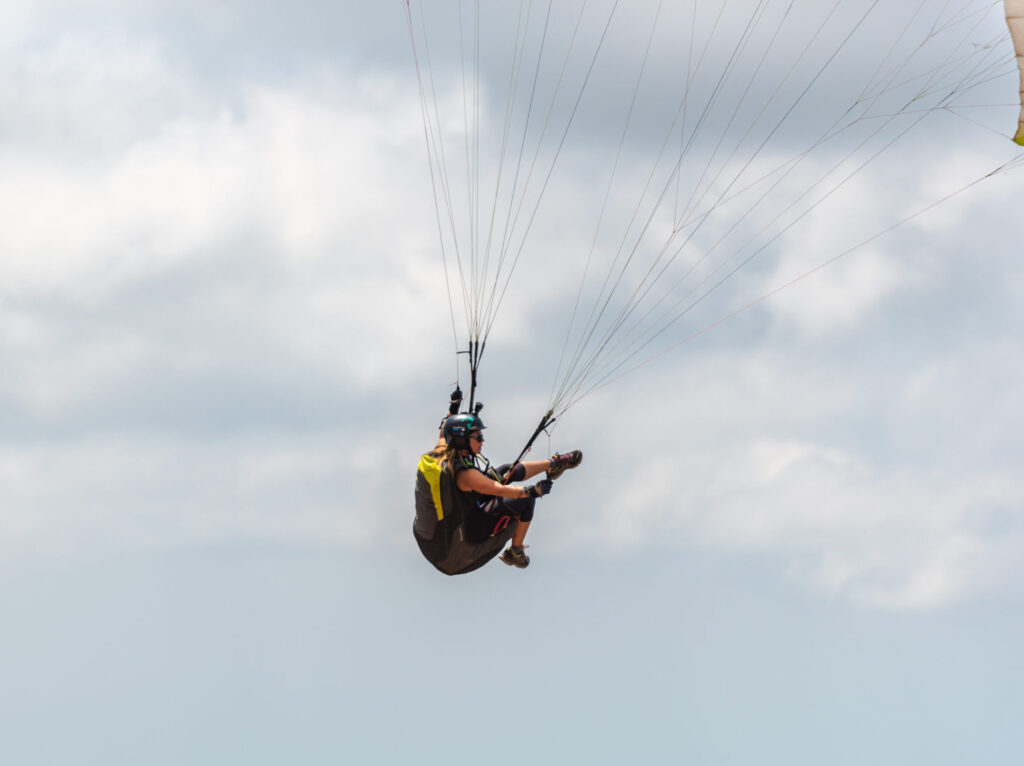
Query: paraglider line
{"points": [[771, 293]]}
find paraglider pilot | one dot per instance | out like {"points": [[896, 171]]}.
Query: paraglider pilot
{"points": [[466, 509]]}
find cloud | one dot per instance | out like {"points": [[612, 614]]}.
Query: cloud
{"points": [[191, 287], [761, 456], [222, 318], [840, 296], [294, 227], [99, 493], [881, 537]]}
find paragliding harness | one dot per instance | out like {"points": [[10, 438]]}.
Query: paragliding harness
{"points": [[440, 527], [502, 523], [447, 504], [450, 529], [452, 534]]}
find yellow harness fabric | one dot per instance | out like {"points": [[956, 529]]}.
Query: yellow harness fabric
{"points": [[430, 467]]}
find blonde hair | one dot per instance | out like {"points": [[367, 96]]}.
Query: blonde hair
{"points": [[448, 453]]}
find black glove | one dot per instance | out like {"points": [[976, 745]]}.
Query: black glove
{"points": [[541, 488], [455, 402]]}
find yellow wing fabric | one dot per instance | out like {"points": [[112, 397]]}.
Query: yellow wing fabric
{"points": [[1015, 20]]}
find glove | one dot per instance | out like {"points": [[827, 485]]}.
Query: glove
{"points": [[541, 488], [455, 402]]}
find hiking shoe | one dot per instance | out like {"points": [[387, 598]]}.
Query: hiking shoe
{"points": [[562, 463], [515, 557]]}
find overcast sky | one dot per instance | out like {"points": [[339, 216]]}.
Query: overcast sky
{"points": [[225, 341]]}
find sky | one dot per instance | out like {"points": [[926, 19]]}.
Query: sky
{"points": [[225, 340]]}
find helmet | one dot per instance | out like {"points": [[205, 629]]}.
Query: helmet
{"points": [[457, 428]]}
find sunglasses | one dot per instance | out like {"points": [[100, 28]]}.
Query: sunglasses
{"points": [[477, 437]]}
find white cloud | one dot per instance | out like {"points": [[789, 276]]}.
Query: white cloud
{"points": [[722, 468], [875, 224], [114, 492], [840, 296], [304, 208], [163, 241]]}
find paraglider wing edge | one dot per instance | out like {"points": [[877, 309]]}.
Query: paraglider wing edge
{"points": [[1015, 21]]}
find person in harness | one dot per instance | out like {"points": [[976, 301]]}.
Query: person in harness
{"points": [[467, 510]]}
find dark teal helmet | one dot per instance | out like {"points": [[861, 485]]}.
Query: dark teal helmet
{"points": [[457, 428]]}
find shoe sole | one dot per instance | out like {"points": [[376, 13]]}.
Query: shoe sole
{"points": [[555, 474]]}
